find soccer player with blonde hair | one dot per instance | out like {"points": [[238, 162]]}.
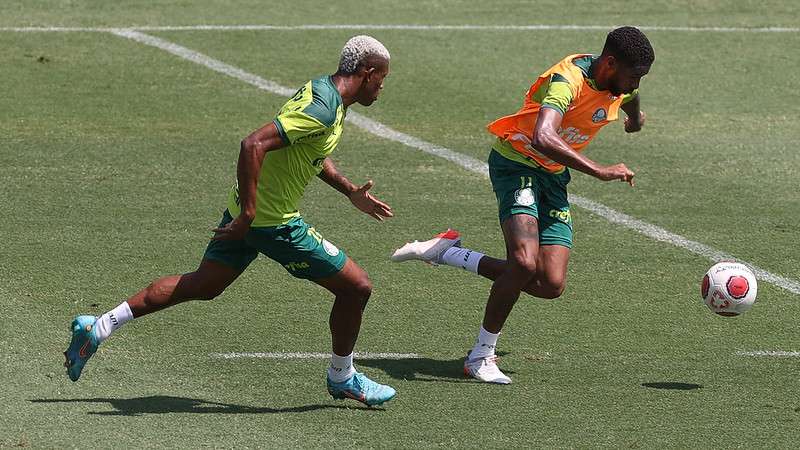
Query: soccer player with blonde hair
{"points": [[276, 163]]}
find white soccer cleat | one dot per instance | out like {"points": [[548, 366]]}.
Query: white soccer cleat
{"points": [[430, 251], [485, 369]]}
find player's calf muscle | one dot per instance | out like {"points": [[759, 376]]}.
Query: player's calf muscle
{"points": [[171, 290]]}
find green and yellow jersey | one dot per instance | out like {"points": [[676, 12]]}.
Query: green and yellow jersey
{"points": [[310, 124]]}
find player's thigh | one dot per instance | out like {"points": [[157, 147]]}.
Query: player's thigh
{"points": [[555, 216], [300, 249], [209, 280], [552, 263], [521, 235], [555, 236], [516, 187], [235, 254], [352, 280], [222, 263]]}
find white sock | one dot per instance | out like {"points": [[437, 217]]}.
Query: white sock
{"points": [[462, 257], [485, 345], [341, 368], [110, 321]]}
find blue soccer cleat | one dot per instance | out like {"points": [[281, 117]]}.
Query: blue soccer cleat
{"points": [[84, 344], [360, 388]]}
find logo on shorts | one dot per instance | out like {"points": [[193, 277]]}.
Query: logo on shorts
{"points": [[329, 248], [295, 266], [564, 216], [599, 115], [524, 197]]}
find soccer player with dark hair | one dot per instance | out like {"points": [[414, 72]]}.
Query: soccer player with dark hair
{"points": [[529, 170], [276, 163]]}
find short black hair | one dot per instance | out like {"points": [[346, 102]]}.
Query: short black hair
{"points": [[630, 46]]}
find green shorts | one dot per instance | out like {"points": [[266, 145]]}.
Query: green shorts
{"points": [[295, 245], [522, 189]]}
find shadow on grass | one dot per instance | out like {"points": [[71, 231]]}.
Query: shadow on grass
{"points": [[673, 385], [162, 404], [423, 369]]}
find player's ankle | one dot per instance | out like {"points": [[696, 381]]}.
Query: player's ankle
{"points": [[485, 345], [341, 368], [112, 321]]}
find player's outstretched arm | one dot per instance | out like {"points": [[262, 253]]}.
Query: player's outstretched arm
{"points": [[251, 156], [635, 120], [548, 142], [359, 196]]}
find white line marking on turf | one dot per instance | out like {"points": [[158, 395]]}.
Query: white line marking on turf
{"points": [[357, 119], [52, 29], [532, 27], [660, 234], [301, 355], [203, 60], [771, 353], [467, 162]]}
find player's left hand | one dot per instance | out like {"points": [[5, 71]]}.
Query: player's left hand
{"points": [[363, 200], [235, 230], [632, 126]]}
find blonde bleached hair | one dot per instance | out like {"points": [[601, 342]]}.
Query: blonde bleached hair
{"points": [[358, 50]]}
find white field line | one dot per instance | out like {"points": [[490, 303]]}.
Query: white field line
{"points": [[301, 355], [462, 160], [412, 27], [770, 353]]}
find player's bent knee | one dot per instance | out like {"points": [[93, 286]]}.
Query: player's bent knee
{"points": [[523, 265], [546, 290], [552, 293], [553, 289], [362, 289], [357, 292]]}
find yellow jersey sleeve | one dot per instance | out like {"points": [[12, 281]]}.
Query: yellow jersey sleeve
{"points": [[294, 126], [309, 113], [556, 93]]}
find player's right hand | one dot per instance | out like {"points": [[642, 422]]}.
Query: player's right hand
{"points": [[235, 230], [616, 172]]}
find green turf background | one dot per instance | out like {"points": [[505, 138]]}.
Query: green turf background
{"points": [[116, 159]]}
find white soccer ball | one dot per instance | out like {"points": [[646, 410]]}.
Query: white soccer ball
{"points": [[729, 288]]}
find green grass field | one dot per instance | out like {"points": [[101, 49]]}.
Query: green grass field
{"points": [[116, 158]]}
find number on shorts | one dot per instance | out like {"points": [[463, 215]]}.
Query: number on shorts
{"points": [[525, 182]]}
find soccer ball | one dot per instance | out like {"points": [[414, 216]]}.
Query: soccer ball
{"points": [[729, 288]]}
